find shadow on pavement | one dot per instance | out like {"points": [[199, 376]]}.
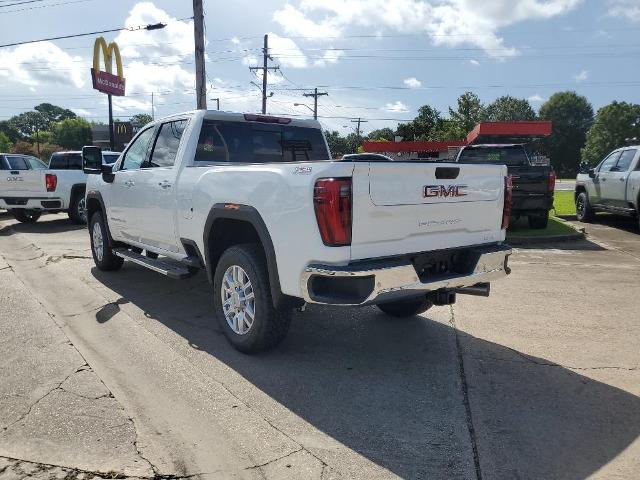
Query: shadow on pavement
{"points": [[577, 245], [390, 389], [45, 224]]}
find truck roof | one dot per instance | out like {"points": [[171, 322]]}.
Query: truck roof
{"points": [[242, 117], [494, 145]]}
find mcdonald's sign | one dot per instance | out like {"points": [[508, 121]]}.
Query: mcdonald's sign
{"points": [[104, 80]]}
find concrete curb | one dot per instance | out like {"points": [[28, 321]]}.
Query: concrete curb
{"points": [[532, 240]]}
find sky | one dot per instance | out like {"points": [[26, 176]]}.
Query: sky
{"points": [[379, 60]]}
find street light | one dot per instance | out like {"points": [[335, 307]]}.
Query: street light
{"points": [[304, 105]]}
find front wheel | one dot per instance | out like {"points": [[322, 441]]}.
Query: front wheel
{"points": [[26, 216], [584, 211], [102, 254], [243, 303], [539, 221], [406, 308], [78, 209]]}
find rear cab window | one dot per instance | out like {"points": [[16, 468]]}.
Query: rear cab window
{"points": [[223, 141], [511, 156], [66, 161]]}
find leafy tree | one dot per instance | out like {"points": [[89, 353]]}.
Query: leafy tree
{"points": [[572, 115], [382, 134], [9, 130], [614, 124], [448, 129], [47, 149], [141, 119], [42, 137], [28, 123], [5, 143], [53, 113], [507, 108], [469, 113], [339, 145], [423, 126], [72, 133], [24, 148]]}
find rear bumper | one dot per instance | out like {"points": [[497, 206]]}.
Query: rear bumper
{"points": [[31, 203], [386, 280], [531, 203]]}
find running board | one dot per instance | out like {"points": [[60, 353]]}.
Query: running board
{"points": [[159, 266]]}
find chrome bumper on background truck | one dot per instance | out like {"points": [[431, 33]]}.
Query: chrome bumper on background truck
{"points": [[31, 203], [444, 273]]}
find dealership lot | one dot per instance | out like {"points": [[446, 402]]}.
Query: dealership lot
{"points": [[541, 380]]}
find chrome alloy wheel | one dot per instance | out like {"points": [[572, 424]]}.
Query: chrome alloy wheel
{"points": [[98, 241], [82, 210], [238, 300]]}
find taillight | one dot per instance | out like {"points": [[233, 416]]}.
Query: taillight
{"points": [[552, 181], [332, 203], [51, 182], [508, 200]]}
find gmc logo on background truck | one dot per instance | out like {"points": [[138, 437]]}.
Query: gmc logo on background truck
{"points": [[441, 191]]}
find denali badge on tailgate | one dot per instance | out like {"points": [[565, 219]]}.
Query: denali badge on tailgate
{"points": [[439, 191]]}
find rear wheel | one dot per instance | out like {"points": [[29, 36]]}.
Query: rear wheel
{"points": [[26, 216], [78, 209], [243, 303], [584, 211], [406, 308], [539, 220], [102, 254]]}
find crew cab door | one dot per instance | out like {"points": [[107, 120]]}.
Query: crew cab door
{"points": [[601, 190], [155, 188], [616, 188]]}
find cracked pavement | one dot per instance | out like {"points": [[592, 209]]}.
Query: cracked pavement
{"points": [[125, 374]]}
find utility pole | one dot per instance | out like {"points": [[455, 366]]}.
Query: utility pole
{"points": [[217, 100], [315, 96], [112, 140], [265, 69], [198, 36], [358, 121]]}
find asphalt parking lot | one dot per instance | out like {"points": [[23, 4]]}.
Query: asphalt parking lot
{"points": [[541, 380]]}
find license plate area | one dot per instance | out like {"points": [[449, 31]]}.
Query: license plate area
{"points": [[442, 263]]}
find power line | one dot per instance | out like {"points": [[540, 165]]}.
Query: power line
{"points": [[131, 29], [20, 3], [44, 6]]}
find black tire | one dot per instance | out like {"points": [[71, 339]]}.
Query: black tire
{"points": [[78, 209], [584, 210], [539, 221], [26, 216], [406, 308], [269, 326], [103, 256]]}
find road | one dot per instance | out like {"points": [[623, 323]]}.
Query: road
{"points": [[541, 380]]}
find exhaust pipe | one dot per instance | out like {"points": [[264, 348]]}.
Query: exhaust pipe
{"points": [[478, 290]]}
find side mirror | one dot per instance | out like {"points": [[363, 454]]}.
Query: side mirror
{"points": [[92, 160], [592, 173]]}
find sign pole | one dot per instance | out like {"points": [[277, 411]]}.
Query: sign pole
{"points": [[111, 140]]}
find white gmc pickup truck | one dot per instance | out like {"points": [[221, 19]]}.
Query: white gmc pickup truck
{"points": [[28, 187], [258, 203]]}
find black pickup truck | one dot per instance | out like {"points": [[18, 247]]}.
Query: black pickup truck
{"points": [[533, 185]]}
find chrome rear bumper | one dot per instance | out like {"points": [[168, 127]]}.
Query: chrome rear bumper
{"points": [[380, 281]]}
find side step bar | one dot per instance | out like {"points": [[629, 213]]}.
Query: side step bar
{"points": [[159, 266]]}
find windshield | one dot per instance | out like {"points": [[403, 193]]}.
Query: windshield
{"points": [[512, 156]]}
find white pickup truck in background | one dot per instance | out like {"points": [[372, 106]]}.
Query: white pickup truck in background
{"points": [[258, 203], [28, 188]]}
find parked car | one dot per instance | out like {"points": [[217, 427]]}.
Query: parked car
{"points": [[31, 188], [258, 203], [533, 185], [613, 186]]}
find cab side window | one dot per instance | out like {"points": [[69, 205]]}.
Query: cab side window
{"points": [[167, 143], [609, 162], [36, 163], [137, 152], [624, 162]]}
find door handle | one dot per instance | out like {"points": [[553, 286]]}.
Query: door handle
{"points": [[129, 183], [165, 184], [622, 179]]}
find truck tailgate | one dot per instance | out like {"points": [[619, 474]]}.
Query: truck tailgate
{"points": [[530, 179], [21, 183], [414, 207]]}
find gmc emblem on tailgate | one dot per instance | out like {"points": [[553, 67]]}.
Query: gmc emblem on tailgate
{"points": [[15, 179], [440, 191]]}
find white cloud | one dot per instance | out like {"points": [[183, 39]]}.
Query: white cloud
{"points": [[330, 57], [625, 8], [144, 77], [582, 76], [250, 60], [536, 98], [412, 82], [396, 107], [235, 40], [446, 22], [474, 62], [286, 52], [41, 63], [126, 104], [81, 112]]}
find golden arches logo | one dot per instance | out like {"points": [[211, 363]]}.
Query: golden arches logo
{"points": [[108, 52]]}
